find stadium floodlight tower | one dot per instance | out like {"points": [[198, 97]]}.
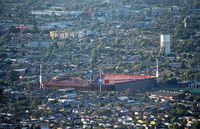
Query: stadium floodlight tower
{"points": [[40, 77], [157, 66], [90, 74], [100, 80]]}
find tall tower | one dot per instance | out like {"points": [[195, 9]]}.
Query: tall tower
{"points": [[165, 44], [90, 76], [100, 80], [40, 77], [157, 73]]}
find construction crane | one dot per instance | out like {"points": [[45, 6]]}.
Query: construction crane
{"points": [[22, 28]]}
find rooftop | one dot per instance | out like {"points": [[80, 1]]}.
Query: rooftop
{"points": [[118, 78], [66, 81]]}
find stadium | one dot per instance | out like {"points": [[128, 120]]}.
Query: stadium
{"points": [[105, 82]]}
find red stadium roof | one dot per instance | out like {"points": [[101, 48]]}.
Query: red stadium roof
{"points": [[109, 79], [65, 81]]}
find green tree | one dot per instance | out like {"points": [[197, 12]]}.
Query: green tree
{"points": [[196, 125], [12, 77], [1, 95], [172, 81], [175, 126]]}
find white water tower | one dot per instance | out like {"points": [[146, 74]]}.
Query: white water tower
{"points": [[165, 43]]}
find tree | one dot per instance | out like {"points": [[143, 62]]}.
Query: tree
{"points": [[196, 125], [180, 112], [12, 77], [1, 95], [3, 56], [196, 3], [181, 96], [175, 126], [172, 81]]}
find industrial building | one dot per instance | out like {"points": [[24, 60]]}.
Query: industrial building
{"points": [[109, 82], [165, 42]]}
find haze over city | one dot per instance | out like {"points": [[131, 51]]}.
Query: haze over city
{"points": [[110, 64]]}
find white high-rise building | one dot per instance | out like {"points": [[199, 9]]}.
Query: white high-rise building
{"points": [[165, 44]]}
